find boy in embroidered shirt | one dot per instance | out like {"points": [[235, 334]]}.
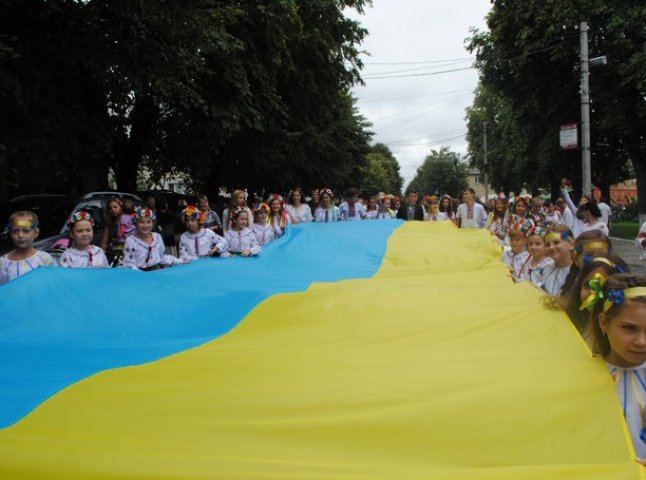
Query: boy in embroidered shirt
{"points": [[352, 209]]}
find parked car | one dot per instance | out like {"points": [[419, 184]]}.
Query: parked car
{"points": [[52, 210], [93, 203], [54, 232]]}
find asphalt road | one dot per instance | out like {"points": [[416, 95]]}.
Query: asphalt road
{"points": [[627, 250]]}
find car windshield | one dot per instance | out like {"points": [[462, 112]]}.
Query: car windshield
{"points": [[96, 207]]}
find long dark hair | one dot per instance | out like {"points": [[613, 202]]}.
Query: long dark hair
{"points": [[599, 339]]}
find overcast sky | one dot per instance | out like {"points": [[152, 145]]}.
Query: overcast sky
{"points": [[418, 108]]}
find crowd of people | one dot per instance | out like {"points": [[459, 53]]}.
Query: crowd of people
{"points": [[561, 248]]}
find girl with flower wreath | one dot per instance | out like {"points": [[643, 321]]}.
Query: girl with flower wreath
{"points": [[240, 238], [532, 270], [198, 241], [619, 336], [327, 211], [145, 249], [261, 229], [278, 218], [82, 254], [517, 256]]}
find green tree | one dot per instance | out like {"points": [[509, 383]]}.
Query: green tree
{"points": [[529, 69], [252, 93], [443, 171], [381, 173]]}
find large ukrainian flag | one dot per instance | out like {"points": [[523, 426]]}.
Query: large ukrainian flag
{"points": [[435, 366]]}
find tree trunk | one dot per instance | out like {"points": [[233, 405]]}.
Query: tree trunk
{"points": [[137, 144]]}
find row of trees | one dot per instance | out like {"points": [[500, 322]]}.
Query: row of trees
{"points": [[252, 92], [529, 86]]}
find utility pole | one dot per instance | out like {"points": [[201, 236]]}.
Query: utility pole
{"points": [[486, 177], [586, 176]]}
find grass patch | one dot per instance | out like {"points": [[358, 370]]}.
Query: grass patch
{"points": [[627, 230]]}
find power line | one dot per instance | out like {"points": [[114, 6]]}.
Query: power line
{"points": [[420, 62], [413, 96], [367, 77], [432, 135], [416, 68], [432, 109]]}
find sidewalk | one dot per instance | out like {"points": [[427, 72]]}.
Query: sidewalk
{"points": [[627, 250]]}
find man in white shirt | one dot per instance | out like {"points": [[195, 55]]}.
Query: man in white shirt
{"points": [[471, 214]]}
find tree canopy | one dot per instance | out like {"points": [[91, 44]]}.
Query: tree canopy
{"points": [[443, 172], [246, 93], [529, 86]]}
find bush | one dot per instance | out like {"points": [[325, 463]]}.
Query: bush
{"points": [[627, 213]]}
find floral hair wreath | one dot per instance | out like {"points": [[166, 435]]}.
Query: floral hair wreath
{"points": [[142, 213], [520, 224], [616, 296], [192, 213], [260, 208], [326, 191], [80, 216], [237, 211], [275, 196], [533, 230]]}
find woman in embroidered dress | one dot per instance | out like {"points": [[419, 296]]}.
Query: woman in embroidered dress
{"points": [[198, 241], [327, 212], [619, 336], [240, 237], [447, 208], [386, 211], [145, 249], [82, 254], [434, 214], [497, 220], [371, 209], [298, 211], [238, 200]]}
